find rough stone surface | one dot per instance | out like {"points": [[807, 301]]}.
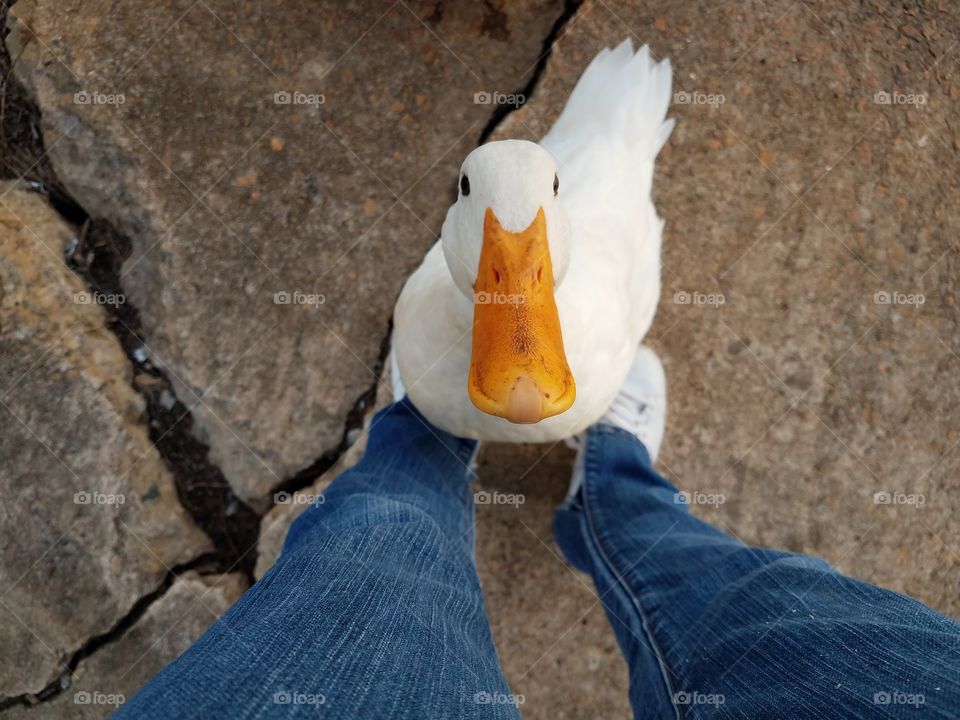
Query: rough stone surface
{"points": [[230, 198], [797, 200], [116, 671], [74, 557]]}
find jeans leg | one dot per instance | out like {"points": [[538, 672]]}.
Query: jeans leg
{"points": [[374, 608], [712, 628]]}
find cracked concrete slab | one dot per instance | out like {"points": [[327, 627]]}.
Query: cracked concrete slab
{"points": [[811, 399], [113, 674], [90, 519]]}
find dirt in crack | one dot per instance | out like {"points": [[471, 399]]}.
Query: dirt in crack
{"points": [[233, 526]]}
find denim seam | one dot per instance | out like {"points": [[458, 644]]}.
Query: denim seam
{"points": [[589, 471]]}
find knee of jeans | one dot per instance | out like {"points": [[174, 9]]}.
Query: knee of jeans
{"points": [[358, 510], [774, 579]]}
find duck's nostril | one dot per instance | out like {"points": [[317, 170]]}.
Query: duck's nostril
{"points": [[540, 274], [496, 276]]}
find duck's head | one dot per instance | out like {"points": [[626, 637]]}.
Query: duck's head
{"points": [[506, 241]]}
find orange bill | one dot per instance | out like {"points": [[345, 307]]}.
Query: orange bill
{"points": [[518, 369]]}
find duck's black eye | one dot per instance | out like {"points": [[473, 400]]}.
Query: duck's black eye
{"points": [[465, 185], [556, 184]]}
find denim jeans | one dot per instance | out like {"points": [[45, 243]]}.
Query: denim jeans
{"points": [[374, 609]]}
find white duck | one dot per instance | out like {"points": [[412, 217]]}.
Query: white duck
{"points": [[522, 321]]}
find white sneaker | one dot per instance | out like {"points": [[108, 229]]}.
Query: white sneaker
{"points": [[640, 408]]}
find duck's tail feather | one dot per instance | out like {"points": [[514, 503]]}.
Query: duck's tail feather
{"points": [[621, 95]]}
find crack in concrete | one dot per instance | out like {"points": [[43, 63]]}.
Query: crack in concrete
{"points": [[500, 113], [207, 561]]}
